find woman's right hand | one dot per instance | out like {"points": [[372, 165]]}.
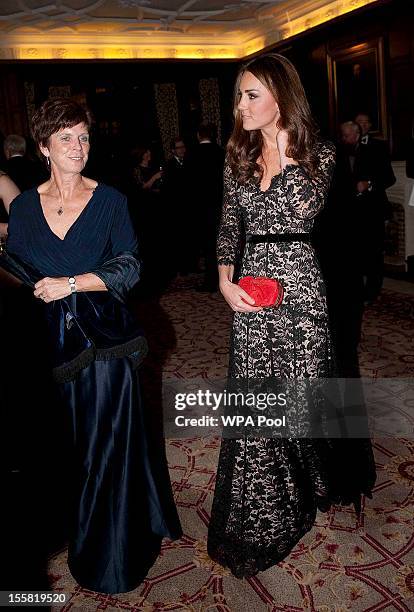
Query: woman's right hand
{"points": [[237, 298], [156, 176]]}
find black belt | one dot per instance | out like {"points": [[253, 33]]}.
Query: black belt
{"points": [[287, 237]]}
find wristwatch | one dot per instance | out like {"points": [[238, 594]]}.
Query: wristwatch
{"points": [[72, 284]]}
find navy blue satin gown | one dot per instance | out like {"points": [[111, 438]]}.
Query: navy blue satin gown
{"points": [[123, 504]]}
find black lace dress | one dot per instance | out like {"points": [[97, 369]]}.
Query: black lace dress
{"points": [[269, 490]]}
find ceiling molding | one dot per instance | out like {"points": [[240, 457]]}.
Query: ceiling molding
{"points": [[156, 29]]}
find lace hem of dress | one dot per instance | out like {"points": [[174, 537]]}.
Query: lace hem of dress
{"points": [[245, 560], [329, 477]]}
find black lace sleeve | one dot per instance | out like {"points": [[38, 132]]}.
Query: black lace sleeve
{"points": [[305, 195], [228, 240]]}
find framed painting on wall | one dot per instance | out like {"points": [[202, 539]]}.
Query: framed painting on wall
{"points": [[357, 85]]}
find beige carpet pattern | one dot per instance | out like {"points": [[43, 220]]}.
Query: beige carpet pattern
{"points": [[342, 563]]}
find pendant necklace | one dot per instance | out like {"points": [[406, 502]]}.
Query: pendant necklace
{"points": [[60, 210]]}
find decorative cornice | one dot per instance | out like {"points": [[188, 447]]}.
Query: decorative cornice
{"points": [[103, 39]]}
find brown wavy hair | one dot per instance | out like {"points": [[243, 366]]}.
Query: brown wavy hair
{"points": [[244, 148]]}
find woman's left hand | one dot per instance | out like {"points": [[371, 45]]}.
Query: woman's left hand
{"points": [[50, 289]]}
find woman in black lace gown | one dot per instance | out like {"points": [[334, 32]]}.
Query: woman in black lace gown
{"points": [[276, 180]]}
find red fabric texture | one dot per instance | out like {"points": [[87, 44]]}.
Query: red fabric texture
{"points": [[264, 291]]}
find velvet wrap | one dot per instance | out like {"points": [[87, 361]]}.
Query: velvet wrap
{"points": [[88, 326]]}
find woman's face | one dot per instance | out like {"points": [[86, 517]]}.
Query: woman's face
{"points": [[147, 156], [257, 106], [68, 149]]}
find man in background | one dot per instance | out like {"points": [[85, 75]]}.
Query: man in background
{"points": [[179, 204], [376, 175], [338, 240], [24, 172], [206, 164]]}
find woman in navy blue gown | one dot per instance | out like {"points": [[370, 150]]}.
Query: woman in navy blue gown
{"points": [[73, 241]]}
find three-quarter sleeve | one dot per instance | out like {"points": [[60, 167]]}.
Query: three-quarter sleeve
{"points": [[123, 237], [306, 195], [228, 239], [122, 271]]}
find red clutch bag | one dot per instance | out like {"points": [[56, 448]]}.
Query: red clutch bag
{"points": [[264, 291]]}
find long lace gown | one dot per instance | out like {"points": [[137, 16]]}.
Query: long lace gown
{"points": [[268, 490]]}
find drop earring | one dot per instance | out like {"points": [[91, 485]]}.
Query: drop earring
{"points": [[48, 163]]}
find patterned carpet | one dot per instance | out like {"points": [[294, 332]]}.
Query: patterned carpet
{"points": [[342, 564]]}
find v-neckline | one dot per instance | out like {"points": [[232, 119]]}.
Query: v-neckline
{"points": [[75, 221], [272, 179]]}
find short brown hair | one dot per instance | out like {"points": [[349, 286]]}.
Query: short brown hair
{"points": [[56, 114], [280, 77]]}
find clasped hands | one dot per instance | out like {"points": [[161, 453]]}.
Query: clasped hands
{"points": [[50, 289]]}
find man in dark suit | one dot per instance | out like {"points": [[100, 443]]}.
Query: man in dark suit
{"points": [[24, 172], [378, 150], [338, 241], [178, 199], [206, 163], [374, 175], [350, 236]]}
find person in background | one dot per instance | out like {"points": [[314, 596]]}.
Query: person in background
{"points": [[24, 172], [206, 165], [145, 175], [8, 191], [379, 152], [371, 174], [338, 237], [381, 176], [146, 208], [179, 206]]}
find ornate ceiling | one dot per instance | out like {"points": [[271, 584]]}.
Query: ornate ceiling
{"points": [[129, 29]]}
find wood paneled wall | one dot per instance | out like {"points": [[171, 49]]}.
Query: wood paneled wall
{"points": [[393, 21], [13, 115]]}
